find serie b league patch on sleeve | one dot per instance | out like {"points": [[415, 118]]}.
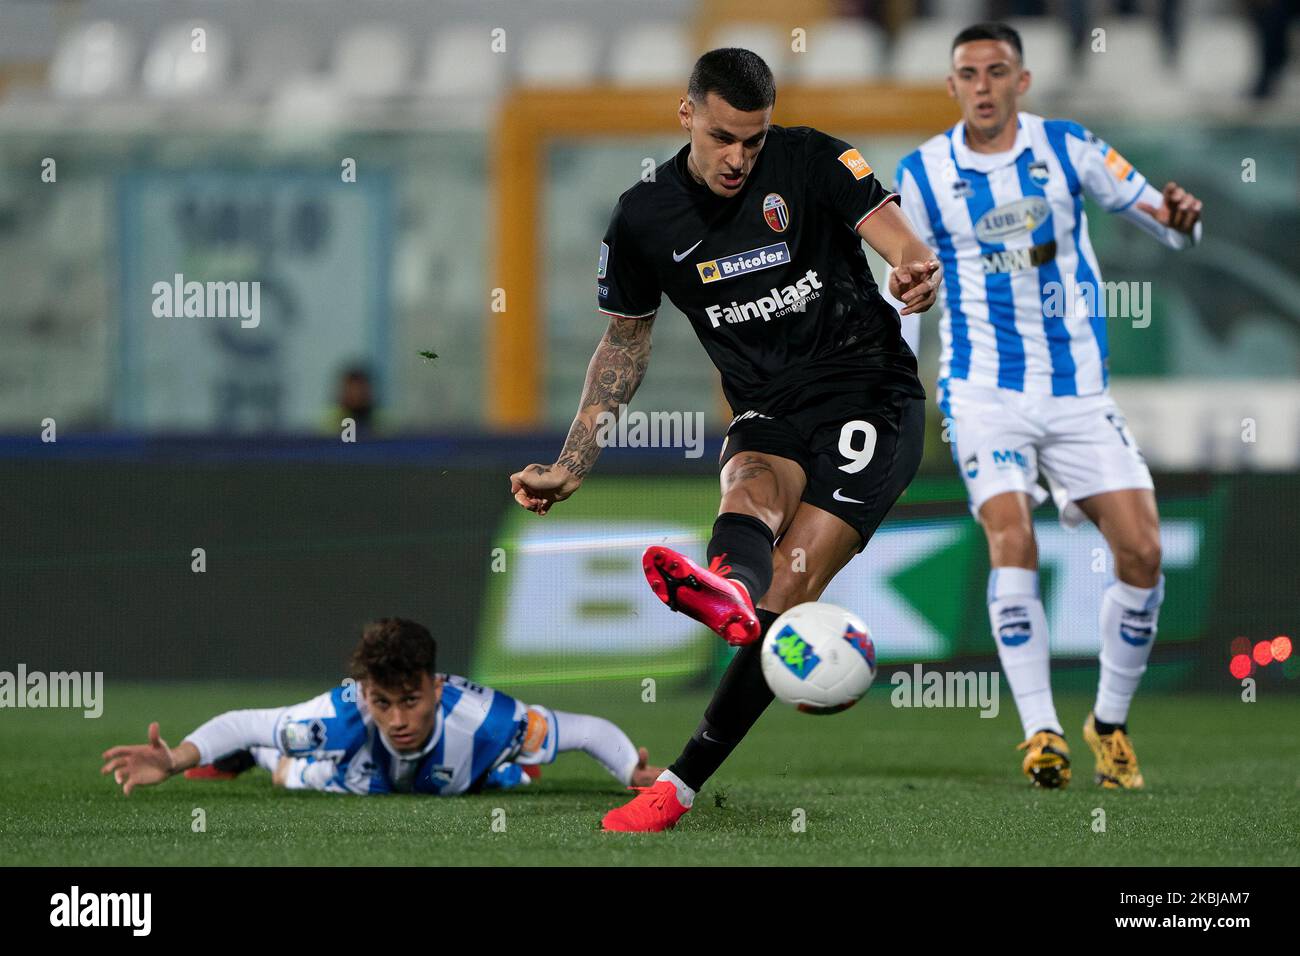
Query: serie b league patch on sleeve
{"points": [[855, 164]]}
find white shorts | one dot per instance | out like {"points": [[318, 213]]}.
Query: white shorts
{"points": [[1002, 439]]}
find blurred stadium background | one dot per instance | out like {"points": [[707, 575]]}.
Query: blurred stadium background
{"points": [[407, 177]]}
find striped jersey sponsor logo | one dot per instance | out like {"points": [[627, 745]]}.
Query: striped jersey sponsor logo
{"points": [[1012, 219]]}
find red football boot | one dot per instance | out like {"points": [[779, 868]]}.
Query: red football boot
{"points": [[224, 768], [652, 810], [208, 772], [719, 603]]}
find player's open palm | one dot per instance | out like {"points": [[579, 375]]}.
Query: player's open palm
{"points": [[916, 285], [140, 765], [537, 487]]}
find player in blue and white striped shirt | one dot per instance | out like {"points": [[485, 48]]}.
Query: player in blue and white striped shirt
{"points": [[1023, 375], [398, 726]]}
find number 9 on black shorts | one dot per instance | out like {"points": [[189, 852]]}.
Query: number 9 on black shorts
{"points": [[858, 452]]}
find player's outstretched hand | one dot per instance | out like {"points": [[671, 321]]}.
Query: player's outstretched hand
{"points": [[644, 775], [916, 285], [1180, 209], [537, 487], [140, 765]]}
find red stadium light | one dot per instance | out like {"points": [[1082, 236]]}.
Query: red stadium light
{"points": [[1240, 645], [1240, 666], [1281, 647], [1263, 653]]}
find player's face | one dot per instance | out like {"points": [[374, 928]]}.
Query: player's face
{"points": [[405, 714], [987, 79], [725, 142]]}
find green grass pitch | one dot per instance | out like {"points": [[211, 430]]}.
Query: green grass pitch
{"points": [[875, 785]]}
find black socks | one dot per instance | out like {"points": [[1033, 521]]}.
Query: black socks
{"points": [[742, 696], [745, 544]]}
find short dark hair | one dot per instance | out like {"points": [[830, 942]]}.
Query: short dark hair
{"points": [[991, 30], [738, 76], [394, 652]]}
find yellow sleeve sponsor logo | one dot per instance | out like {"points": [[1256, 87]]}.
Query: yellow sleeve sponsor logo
{"points": [[535, 734], [855, 164], [1119, 166]]}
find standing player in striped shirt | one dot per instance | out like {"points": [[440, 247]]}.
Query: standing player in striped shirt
{"points": [[1023, 376]]}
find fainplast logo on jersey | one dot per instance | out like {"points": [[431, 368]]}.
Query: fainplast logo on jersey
{"points": [[777, 303]]}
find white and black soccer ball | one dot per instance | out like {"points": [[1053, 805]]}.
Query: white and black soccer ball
{"points": [[819, 658]]}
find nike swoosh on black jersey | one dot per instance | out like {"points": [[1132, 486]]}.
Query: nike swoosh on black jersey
{"points": [[677, 258]]}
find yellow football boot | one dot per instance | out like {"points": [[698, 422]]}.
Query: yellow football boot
{"points": [[1117, 764], [1047, 764]]}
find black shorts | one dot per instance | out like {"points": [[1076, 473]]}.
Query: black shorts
{"points": [[858, 452]]}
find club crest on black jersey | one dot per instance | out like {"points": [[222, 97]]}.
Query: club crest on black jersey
{"points": [[774, 279]]}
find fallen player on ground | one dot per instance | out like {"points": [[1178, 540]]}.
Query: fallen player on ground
{"points": [[398, 726]]}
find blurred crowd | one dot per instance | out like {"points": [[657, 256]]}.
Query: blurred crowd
{"points": [[1270, 21], [330, 60]]}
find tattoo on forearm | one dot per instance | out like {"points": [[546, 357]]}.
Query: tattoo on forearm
{"points": [[619, 365], [615, 373], [580, 449]]}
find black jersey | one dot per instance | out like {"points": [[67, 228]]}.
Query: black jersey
{"points": [[774, 278]]}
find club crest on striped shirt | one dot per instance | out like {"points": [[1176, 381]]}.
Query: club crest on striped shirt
{"points": [[776, 212]]}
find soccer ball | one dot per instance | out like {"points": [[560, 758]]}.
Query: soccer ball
{"points": [[818, 657]]}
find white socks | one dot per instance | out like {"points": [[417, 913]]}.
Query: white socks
{"points": [[1128, 629], [685, 795], [1020, 632]]}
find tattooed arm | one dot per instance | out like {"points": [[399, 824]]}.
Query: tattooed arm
{"points": [[613, 376]]}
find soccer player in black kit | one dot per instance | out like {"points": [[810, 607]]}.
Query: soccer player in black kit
{"points": [[754, 232]]}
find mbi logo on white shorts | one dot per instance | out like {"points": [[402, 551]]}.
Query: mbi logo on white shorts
{"points": [[1010, 457]]}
